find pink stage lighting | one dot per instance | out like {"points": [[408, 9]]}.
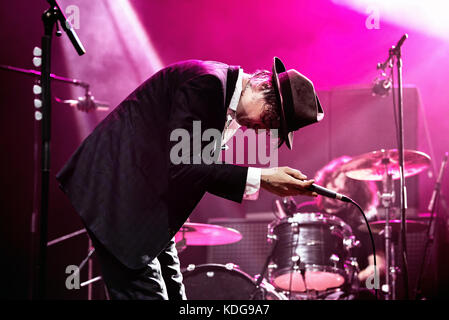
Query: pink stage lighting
{"points": [[429, 17]]}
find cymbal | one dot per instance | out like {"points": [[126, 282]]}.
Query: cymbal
{"points": [[200, 234], [378, 226], [371, 166]]}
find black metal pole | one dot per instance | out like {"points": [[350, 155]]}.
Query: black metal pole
{"points": [[37, 74], [396, 51], [49, 19], [430, 227]]}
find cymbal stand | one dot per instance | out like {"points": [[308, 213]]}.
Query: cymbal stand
{"points": [[387, 197], [431, 232], [88, 260], [182, 244]]}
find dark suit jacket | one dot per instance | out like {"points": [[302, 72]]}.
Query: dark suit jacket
{"points": [[121, 180]]}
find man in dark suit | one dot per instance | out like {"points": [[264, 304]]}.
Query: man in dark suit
{"points": [[131, 195]]}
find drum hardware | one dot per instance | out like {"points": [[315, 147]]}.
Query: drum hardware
{"points": [[353, 265], [351, 242], [181, 245], [310, 252], [289, 204], [328, 294], [353, 262], [267, 265], [272, 238], [263, 288], [334, 259], [436, 194], [259, 292], [378, 227], [226, 282], [295, 229], [371, 167], [88, 260], [200, 234], [191, 267], [387, 198], [272, 266], [285, 207], [231, 266], [383, 166], [227, 266]]}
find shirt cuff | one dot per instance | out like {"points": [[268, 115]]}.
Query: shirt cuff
{"points": [[252, 184]]}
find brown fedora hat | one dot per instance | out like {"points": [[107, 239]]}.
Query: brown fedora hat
{"points": [[297, 99]]}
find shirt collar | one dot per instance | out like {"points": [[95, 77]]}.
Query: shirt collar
{"points": [[237, 92]]}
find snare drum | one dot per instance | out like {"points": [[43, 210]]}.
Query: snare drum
{"points": [[314, 246], [225, 282]]}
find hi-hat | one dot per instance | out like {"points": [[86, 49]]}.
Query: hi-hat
{"points": [[371, 166], [200, 234]]}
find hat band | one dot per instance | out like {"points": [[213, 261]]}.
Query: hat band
{"points": [[287, 98]]}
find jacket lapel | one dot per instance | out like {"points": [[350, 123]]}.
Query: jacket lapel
{"points": [[233, 73]]}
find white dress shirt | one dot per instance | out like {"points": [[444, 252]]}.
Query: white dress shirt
{"points": [[253, 177]]}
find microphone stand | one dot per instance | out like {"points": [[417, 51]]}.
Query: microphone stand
{"points": [[38, 74], [430, 227], [395, 55], [396, 51], [50, 18]]}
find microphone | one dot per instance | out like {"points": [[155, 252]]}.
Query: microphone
{"points": [[401, 41], [381, 87], [394, 50], [67, 27], [431, 206], [86, 103], [329, 193]]}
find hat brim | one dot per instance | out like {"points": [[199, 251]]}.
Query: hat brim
{"points": [[284, 134]]}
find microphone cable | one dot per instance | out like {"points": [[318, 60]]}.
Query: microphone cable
{"points": [[376, 278]]}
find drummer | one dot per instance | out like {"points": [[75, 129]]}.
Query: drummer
{"points": [[365, 194]]}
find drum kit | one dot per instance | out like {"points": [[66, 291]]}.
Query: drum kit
{"points": [[311, 252]]}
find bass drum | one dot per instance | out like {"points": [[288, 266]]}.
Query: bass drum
{"points": [[225, 282]]}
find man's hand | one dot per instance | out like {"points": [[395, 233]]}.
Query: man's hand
{"points": [[285, 181]]}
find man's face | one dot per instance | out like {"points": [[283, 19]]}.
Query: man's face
{"points": [[250, 109]]}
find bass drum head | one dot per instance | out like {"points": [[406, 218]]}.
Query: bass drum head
{"points": [[223, 282], [315, 280]]}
